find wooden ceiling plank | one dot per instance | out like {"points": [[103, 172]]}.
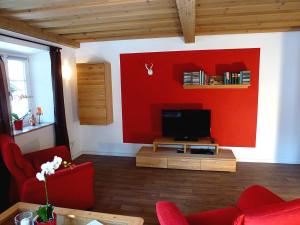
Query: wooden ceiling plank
{"points": [[16, 5], [160, 35], [248, 3], [187, 16], [24, 28], [63, 12], [173, 22], [259, 8], [122, 32], [248, 18], [129, 37], [101, 18], [245, 26], [246, 30]]}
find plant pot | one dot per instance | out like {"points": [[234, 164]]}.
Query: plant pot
{"points": [[18, 124], [50, 222]]}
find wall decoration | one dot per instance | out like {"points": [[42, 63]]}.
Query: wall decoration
{"points": [[234, 111], [149, 69]]}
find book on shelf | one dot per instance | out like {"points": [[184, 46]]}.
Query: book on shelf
{"points": [[242, 77], [197, 77], [245, 77], [201, 78], [187, 78]]}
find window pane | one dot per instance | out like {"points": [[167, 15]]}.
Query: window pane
{"points": [[18, 86], [17, 69]]}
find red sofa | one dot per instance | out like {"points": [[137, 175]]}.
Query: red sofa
{"points": [[68, 187], [256, 206]]}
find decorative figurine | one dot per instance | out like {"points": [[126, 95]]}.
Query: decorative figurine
{"points": [[39, 112]]}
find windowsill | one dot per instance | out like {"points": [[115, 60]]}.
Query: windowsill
{"points": [[32, 128]]}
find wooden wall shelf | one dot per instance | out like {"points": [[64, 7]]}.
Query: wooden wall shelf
{"points": [[223, 86]]}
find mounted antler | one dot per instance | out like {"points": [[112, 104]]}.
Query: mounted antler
{"points": [[149, 69]]}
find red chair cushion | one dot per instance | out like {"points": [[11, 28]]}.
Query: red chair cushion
{"points": [[277, 214], [214, 217], [256, 196], [20, 161], [169, 214]]}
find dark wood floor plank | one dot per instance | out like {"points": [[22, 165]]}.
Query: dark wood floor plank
{"points": [[123, 188]]}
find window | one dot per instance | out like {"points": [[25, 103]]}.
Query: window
{"points": [[29, 82], [18, 81]]}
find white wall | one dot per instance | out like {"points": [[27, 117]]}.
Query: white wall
{"points": [[41, 84], [70, 97], [278, 105], [35, 140]]}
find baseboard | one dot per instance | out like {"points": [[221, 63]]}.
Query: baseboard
{"points": [[131, 152], [124, 154], [76, 155]]}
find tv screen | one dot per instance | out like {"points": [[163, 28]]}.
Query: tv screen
{"points": [[188, 124]]}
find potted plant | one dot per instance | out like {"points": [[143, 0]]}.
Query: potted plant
{"points": [[18, 121], [45, 213]]}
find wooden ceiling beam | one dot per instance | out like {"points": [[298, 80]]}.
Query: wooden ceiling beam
{"points": [[23, 28], [187, 16]]}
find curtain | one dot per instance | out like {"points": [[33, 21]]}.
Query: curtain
{"points": [[5, 128], [61, 132]]}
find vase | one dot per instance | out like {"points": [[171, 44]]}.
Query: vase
{"points": [[18, 124], [50, 222]]}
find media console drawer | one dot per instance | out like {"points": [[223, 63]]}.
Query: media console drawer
{"points": [[188, 163], [218, 165], [152, 162], [170, 159]]}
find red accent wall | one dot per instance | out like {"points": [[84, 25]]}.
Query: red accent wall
{"points": [[234, 111]]}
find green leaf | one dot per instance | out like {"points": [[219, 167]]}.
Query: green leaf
{"points": [[42, 213], [45, 213], [15, 116]]}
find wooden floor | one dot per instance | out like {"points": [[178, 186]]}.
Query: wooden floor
{"points": [[122, 188]]}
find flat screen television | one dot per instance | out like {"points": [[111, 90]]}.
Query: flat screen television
{"points": [[187, 124]]}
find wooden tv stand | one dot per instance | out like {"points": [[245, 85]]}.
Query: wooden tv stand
{"points": [[160, 156], [185, 144]]}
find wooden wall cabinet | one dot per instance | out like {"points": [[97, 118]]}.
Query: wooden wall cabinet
{"points": [[94, 93]]}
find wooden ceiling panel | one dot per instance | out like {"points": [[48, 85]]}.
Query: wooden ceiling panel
{"points": [[250, 18], [68, 21], [106, 18], [126, 34], [68, 12], [33, 5], [244, 9], [121, 32], [132, 24]]}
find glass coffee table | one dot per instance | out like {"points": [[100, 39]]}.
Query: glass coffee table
{"points": [[70, 216]]}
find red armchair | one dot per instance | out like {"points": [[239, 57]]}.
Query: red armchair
{"points": [[256, 206], [68, 187]]}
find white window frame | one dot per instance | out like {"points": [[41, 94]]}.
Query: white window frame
{"points": [[6, 56]]}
